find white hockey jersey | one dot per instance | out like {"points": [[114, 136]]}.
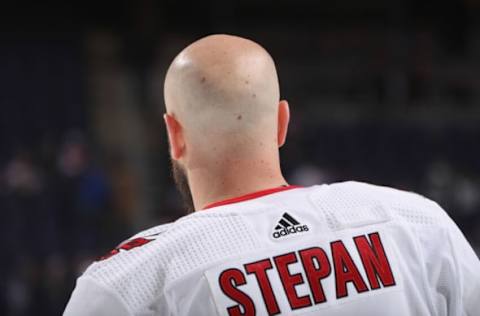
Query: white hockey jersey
{"points": [[342, 249]]}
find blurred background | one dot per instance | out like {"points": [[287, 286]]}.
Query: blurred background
{"points": [[380, 91]]}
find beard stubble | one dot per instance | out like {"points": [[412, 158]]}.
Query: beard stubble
{"points": [[181, 182]]}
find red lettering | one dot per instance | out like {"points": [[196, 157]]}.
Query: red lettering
{"points": [[317, 267], [345, 270], [260, 268], [289, 281], [374, 260], [134, 243], [229, 280]]}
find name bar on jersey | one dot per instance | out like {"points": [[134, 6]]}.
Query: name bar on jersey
{"points": [[315, 267]]}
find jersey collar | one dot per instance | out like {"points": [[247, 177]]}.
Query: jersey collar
{"points": [[251, 196]]}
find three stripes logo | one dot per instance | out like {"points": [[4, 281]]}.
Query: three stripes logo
{"points": [[288, 225]]}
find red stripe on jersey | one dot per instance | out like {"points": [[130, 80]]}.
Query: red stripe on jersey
{"points": [[251, 196]]}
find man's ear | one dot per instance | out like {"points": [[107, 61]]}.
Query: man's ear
{"points": [[175, 136], [283, 120]]}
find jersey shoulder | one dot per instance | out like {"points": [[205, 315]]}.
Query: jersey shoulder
{"points": [[126, 270], [136, 240], [405, 206], [144, 265]]}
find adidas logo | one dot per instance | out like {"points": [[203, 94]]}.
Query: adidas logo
{"points": [[288, 225]]}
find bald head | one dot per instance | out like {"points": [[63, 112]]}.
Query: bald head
{"points": [[224, 119], [221, 85]]}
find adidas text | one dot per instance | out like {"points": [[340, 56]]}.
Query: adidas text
{"points": [[290, 230]]}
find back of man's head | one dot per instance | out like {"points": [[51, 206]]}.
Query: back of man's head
{"points": [[224, 91], [222, 100]]}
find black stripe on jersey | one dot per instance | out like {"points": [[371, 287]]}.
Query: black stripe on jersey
{"points": [[284, 223], [291, 219]]}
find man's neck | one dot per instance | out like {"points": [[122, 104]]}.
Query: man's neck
{"points": [[236, 179]]}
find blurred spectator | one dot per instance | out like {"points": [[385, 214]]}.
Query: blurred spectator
{"points": [[82, 197], [51, 224]]}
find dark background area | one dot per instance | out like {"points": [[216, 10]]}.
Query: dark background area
{"points": [[386, 92]]}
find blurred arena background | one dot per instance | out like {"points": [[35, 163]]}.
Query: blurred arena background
{"points": [[381, 91]]}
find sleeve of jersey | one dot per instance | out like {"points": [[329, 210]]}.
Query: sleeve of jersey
{"points": [[453, 270], [467, 264], [90, 298]]}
